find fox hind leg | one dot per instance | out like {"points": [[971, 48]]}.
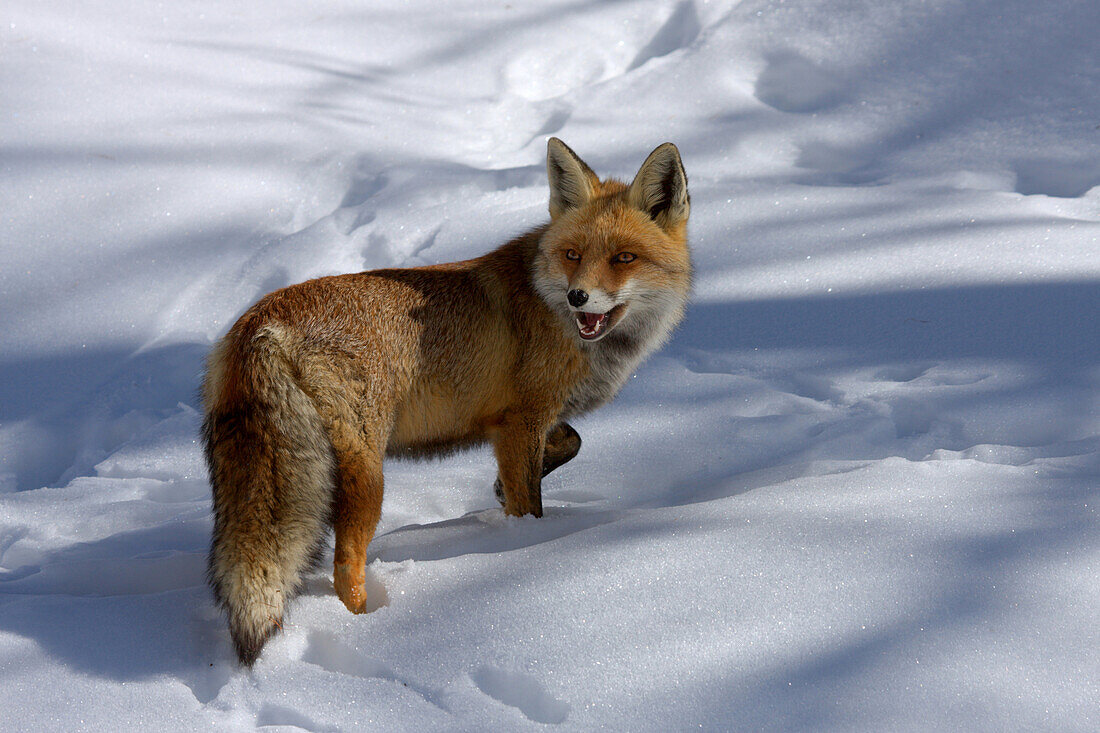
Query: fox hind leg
{"points": [[357, 507], [563, 443]]}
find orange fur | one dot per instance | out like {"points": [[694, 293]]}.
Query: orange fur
{"points": [[318, 382]]}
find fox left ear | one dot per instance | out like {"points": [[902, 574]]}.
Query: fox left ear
{"points": [[572, 182], [660, 188]]}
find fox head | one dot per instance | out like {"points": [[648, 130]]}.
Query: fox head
{"points": [[614, 260]]}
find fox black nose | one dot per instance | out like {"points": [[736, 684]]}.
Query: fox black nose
{"points": [[577, 298]]}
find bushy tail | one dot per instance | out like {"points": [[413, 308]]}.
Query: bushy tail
{"points": [[272, 472]]}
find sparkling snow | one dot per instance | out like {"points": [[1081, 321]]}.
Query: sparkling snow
{"points": [[858, 490]]}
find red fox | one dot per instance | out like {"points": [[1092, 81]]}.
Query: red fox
{"points": [[318, 382]]}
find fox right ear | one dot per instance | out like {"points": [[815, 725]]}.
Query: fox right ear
{"points": [[572, 183], [660, 188]]}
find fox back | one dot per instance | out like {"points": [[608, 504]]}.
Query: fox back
{"points": [[318, 382]]}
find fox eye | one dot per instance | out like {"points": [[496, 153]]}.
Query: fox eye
{"points": [[572, 254], [624, 257]]}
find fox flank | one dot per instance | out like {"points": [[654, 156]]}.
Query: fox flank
{"points": [[317, 383]]}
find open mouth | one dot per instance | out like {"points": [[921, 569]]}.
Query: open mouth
{"points": [[594, 325]]}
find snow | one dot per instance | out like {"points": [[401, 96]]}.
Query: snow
{"points": [[857, 490]]}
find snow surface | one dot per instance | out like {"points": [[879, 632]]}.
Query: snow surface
{"points": [[857, 491]]}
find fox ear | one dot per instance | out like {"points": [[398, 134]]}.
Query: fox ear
{"points": [[572, 183], [660, 188]]}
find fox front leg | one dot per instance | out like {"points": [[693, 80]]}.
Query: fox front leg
{"points": [[519, 446], [562, 445]]}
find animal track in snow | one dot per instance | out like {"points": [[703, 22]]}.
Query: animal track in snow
{"points": [[352, 214], [793, 83], [1015, 455], [813, 387], [912, 418], [521, 691], [206, 680], [79, 574], [679, 31], [836, 165], [8, 537], [467, 535], [326, 651], [901, 372], [364, 185], [576, 496], [1060, 178], [347, 220], [961, 379], [934, 375], [527, 76], [555, 120], [282, 717]]}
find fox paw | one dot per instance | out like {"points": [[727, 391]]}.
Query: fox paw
{"points": [[350, 587]]}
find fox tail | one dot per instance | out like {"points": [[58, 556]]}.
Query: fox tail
{"points": [[272, 473]]}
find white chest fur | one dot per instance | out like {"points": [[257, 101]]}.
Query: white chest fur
{"points": [[614, 358]]}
